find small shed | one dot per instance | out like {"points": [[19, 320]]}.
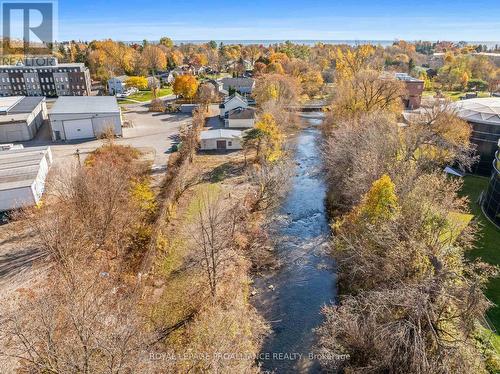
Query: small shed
{"points": [[84, 117], [221, 140]]}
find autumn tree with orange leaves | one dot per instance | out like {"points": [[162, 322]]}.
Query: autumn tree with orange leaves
{"points": [[185, 86]]}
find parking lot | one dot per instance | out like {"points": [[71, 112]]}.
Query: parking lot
{"points": [[152, 133]]}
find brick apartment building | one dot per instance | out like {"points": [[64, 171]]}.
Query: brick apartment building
{"points": [[414, 89], [44, 77]]}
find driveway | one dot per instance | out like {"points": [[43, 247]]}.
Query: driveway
{"points": [[214, 121], [152, 133]]}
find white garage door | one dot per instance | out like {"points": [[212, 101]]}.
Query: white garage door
{"points": [[78, 129]]}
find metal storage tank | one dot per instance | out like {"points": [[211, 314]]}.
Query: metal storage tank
{"points": [[491, 200]]}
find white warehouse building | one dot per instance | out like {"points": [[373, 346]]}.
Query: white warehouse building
{"points": [[221, 140], [21, 117], [84, 117], [22, 176]]}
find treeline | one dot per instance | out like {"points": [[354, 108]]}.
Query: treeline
{"points": [[311, 65], [85, 316], [410, 300]]}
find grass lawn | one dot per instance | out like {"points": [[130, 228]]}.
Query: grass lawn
{"points": [[455, 95], [147, 95], [488, 245], [125, 102]]}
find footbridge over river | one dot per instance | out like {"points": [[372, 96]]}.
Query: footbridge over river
{"points": [[310, 106]]}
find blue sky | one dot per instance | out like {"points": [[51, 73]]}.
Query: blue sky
{"points": [[292, 19]]}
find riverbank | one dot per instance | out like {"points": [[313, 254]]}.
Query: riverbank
{"points": [[221, 332]]}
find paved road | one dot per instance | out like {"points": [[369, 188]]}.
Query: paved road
{"points": [[152, 133]]}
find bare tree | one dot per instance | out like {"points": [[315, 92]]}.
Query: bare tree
{"points": [[206, 94], [366, 92], [405, 329], [213, 233], [436, 136], [87, 324], [271, 181]]}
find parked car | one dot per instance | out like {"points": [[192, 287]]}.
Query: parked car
{"points": [[4, 218]]}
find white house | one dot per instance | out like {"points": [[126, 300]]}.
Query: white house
{"points": [[232, 102], [116, 85], [22, 176], [167, 77], [21, 117], [221, 139], [240, 118], [84, 117]]}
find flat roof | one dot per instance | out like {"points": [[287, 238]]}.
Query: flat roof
{"points": [[27, 104], [19, 168], [6, 103], [18, 108], [85, 104], [63, 65]]}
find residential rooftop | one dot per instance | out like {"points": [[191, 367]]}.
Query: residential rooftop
{"points": [[229, 98], [242, 113], [406, 77], [238, 82]]}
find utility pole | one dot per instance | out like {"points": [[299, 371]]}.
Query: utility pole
{"points": [[77, 153]]}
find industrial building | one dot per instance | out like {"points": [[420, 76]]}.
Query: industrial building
{"points": [[22, 176], [84, 117], [21, 117], [484, 117]]}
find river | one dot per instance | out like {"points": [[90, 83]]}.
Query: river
{"points": [[306, 280]]}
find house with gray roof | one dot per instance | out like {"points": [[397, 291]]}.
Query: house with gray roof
{"points": [[242, 118], [243, 86]]}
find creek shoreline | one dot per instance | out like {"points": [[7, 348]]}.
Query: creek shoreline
{"points": [[291, 297]]}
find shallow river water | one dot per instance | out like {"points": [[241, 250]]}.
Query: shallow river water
{"points": [[306, 280]]}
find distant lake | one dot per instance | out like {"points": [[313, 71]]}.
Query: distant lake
{"points": [[383, 43]]}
